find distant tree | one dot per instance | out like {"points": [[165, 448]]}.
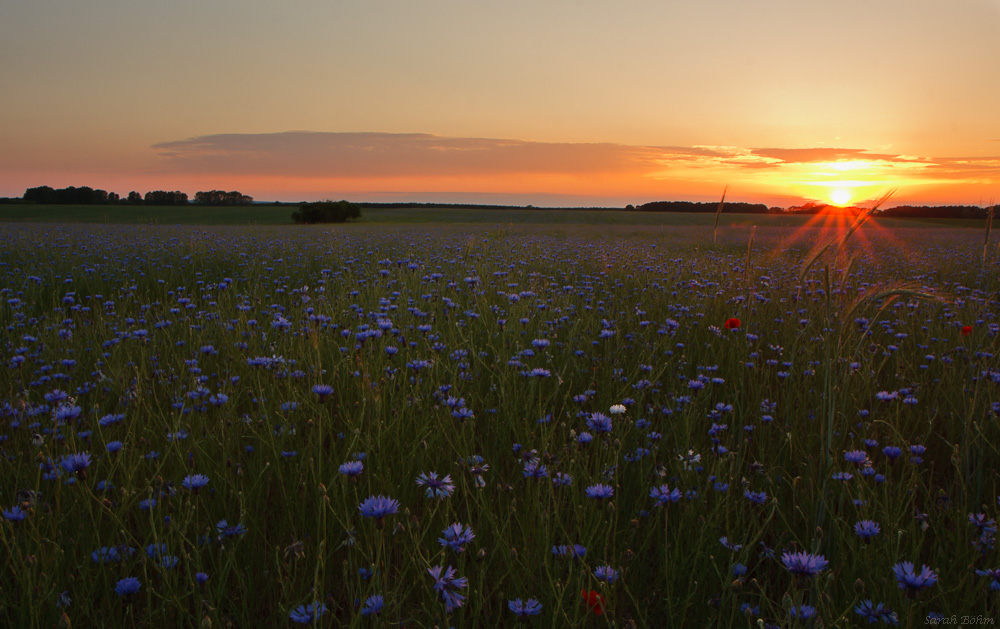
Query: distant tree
{"points": [[326, 212], [629, 208], [41, 194], [220, 197], [941, 211], [161, 197], [84, 195], [113, 197], [691, 206], [134, 198]]}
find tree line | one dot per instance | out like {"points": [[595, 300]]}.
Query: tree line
{"points": [[693, 206], [85, 195], [938, 211]]}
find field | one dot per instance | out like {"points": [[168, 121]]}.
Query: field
{"points": [[492, 423], [281, 215]]}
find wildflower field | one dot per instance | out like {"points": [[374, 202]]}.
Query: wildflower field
{"points": [[470, 425]]}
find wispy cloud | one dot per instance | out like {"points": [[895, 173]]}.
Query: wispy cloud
{"points": [[307, 153]]}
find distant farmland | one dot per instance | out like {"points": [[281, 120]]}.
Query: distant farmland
{"points": [[281, 215]]}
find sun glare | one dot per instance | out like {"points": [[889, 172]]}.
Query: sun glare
{"points": [[840, 196]]}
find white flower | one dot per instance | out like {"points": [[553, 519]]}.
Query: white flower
{"points": [[617, 409]]}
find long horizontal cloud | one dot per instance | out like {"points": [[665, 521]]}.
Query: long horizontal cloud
{"points": [[403, 154], [379, 155]]}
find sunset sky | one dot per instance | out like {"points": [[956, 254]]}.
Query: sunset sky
{"points": [[544, 102]]}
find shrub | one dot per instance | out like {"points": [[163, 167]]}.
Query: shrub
{"points": [[326, 212]]}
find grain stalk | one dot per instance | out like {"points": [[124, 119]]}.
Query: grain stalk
{"points": [[837, 328], [718, 211], [746, 270], [989, 226]]}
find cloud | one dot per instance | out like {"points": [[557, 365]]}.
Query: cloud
{"points": [[375, 156], [306, 153], [810, 155]]}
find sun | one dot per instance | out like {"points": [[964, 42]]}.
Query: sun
{"points": [[840, 196]]}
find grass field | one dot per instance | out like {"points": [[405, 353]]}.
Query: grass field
{"points": [[281, 215], [503, 423]]}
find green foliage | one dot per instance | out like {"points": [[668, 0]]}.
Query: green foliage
{"points": [[326, 212]]}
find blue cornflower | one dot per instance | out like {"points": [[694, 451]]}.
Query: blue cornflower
{"points": [[56, 395], [15, 514], [531, 607], [76, 462], [599, 422], [445, 582], [664, 495], [226, 530], [373, 605], [994, 576], [201, 578], [892, 452], [126, 586], [351, 469], [322, 390], [907, 579], [855, 456], [575, 551], [804, 563], [600, 491], [436, 487], [802, 612], [606, 573], [108, 420], [378, 507], [114, 446], [749, 610], [867, 529], [982, 522], [194, 482], [105, 554], [755, 497], [534, 469], [456, 537], [875, 612], [738, 570], [463, 413], [68, 413], [562, 479], [307, 614]]}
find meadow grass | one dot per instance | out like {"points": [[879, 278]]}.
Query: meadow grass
{"points": [[281, 215], [499, 377]]}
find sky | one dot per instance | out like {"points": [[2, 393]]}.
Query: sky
{"points": [[542, 102]]}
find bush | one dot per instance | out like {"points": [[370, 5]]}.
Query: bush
{"points": [[326, 212]]}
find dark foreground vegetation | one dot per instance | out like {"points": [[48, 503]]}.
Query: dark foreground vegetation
{"points": [[498, 425]]}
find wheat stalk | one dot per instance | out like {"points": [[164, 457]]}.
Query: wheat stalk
{"points": [[860, 220], [989, 226], [715, 228]]}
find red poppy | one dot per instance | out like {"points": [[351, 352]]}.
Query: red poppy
{"points": [[594, 601], [732, 324], [966, 330]]}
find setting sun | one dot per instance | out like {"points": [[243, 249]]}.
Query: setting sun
{"points": [[840, 196]]}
